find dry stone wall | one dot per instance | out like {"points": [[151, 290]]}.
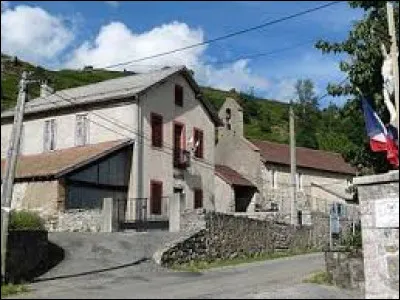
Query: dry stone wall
{"points": [[226, 236], [346, 269], [76, 220]]}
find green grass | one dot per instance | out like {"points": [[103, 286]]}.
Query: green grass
{"points": [[321, 277], [197, 266], [11, 289]]}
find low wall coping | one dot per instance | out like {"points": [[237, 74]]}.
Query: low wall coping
{"points": [[391, 176]]}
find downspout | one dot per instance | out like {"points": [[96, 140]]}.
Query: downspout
{"points": [[139, 150]]}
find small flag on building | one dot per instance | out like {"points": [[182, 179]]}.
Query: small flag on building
{"points": [[381, 139]]}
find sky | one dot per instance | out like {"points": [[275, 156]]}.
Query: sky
{"points": [[72, 34]]}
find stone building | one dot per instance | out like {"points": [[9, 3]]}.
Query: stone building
{"points": [[322, 177], [149, 136]]}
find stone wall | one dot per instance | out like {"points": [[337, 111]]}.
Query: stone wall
{"points": [[193, 220], [227, 236], [27, 251], [379, 201], [76, 220], [346, 269]]}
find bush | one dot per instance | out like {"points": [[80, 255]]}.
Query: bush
{"points": [[353, 241], [25, 220]]}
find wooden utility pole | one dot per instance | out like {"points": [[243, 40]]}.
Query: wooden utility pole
{"points": [[10, 166], [293, 204], [394, 52]]}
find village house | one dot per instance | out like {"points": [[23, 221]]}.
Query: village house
{"points": [[254, 176], [146, 140]]}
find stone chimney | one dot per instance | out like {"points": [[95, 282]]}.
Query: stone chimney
{"points": [[45, 90]]}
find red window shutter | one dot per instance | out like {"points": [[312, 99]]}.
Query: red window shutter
{"points": [[155, 197], [178, 95], [156, 130], [198, 198]]}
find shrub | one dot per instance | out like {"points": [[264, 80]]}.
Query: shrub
{"points": [[25, 220], [353, 240]]}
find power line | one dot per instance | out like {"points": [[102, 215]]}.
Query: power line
{"points": [[262, 54], [224, 36]]}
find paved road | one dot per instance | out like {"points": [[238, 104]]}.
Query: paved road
{"points": [[275, 279], [90, 252]]}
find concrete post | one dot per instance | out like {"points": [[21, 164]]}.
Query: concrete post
{"points": [[175, 213], [110, 222], [379, 205]]}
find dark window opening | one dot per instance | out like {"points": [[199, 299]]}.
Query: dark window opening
{"points": [[156, 130], [155, 197], [178, 95], [198, 198]]}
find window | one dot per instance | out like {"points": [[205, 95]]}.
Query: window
{"points": [[49, 139], [178, 95], [299, 217], [228, 118], [199, 143], [155, 197], [81, 130], [198, 198], [156, 130], [299, 181], [274, 179]]}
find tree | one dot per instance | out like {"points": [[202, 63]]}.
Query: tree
{"points": [[363, 67], [265, 120], [307, 114]]}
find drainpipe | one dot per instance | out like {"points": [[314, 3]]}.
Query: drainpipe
{"points": [[139, 152]]}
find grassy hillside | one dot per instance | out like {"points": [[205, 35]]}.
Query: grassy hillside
{"points": [[264, 119], [12, 70]]}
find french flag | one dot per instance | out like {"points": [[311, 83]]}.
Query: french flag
{"points": [[381, 139]]}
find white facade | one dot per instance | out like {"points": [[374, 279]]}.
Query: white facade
{"points": [[100, 130], [109, 122]]}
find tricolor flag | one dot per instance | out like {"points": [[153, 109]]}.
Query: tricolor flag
{"points": [[380, 138]]}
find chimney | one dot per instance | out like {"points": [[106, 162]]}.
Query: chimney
{"points": [[45, 90]]}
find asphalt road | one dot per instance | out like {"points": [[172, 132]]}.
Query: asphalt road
{"points": [[274, 279]]}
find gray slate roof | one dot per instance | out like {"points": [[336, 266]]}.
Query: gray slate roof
{"points": [[118, 88]]}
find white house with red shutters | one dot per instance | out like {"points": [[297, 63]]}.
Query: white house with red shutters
{"points": [[145, 139]]}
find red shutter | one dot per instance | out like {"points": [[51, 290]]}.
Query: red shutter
{"points": [[178, 95], [155, 197], [156, 130], [198, 198]]}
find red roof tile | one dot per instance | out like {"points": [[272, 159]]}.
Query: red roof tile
{"points": [[231, 176], [307, 158], [59, 162]]}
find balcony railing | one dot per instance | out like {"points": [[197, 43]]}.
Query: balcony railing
{"points": [[181, 158]]}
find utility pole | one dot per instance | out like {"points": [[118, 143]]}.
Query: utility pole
{"points": [[11, 161], [394, 52], [293, 206]]}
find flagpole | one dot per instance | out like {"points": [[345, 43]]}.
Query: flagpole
{"points": [[394, 54]]}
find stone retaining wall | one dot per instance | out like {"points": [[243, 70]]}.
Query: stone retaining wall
{"points": [[346, 269], [27, 251], [226, 236], [76, 220]]}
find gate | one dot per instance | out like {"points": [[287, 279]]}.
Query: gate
{"points": [[132, 214]]}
